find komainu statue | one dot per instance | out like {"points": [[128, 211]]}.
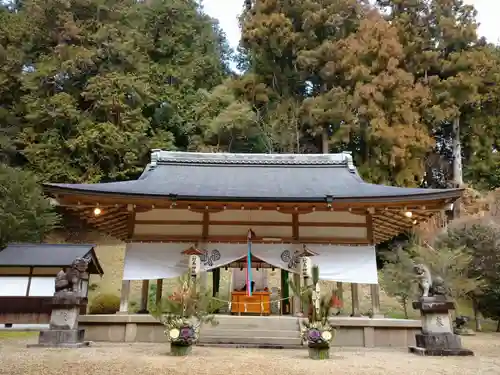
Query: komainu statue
{"points": [[68, 281], [428, 286]]}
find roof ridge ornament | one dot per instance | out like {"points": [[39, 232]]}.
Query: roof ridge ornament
{"points": [[347, 155], [155, 156], [163, 156]]}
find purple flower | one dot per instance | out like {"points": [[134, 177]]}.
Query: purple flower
{"points": [[314, 335], [186, 333]]}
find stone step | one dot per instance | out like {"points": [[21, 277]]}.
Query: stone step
{"points": [[255, 340], [253, 346], [223, 332], [262, 323]]}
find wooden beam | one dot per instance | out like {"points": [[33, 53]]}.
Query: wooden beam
{"points": [[243, 239], [295, 226], [130, 221], [113, 226], [369, 228], [252, 223], [205, 225], [90, 199]]}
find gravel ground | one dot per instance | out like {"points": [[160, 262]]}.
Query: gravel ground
{"points": [[145, 359]]}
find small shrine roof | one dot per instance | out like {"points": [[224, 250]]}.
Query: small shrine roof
{"points": [[48, 255]]}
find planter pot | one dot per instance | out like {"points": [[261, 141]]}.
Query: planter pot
{"points": [[319, 352], [180, 350]]}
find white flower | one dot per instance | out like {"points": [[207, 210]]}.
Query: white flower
{"points": [[174, 333], [326, 335]]}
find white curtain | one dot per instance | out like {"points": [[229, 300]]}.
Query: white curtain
{"points": [[352, 264], [149, 261], [219, 254], [349, 264], [285, 256], [13, 286], [42, 286]]}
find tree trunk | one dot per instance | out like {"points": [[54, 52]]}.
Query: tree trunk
{"points": [[498, 326], [477, 316], [405, 308], [457, 162], [457, 153], [324, 142]]}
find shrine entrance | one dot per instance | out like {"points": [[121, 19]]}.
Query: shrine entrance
{"points": [[265, 297]]}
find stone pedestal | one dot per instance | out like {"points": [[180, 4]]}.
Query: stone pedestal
{"points": [[64, 331], [61, 338], [437, 337]]}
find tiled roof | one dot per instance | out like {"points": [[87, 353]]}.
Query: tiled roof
{"points": [[48, 255], [254, 177]]}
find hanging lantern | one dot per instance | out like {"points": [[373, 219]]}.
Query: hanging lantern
{"points": [[194, 265], [317, 298], [306, 267]]}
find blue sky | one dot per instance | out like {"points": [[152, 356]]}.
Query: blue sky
{"points": [[226, 11]]}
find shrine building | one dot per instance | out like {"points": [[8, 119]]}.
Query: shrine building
{"points": [[293, 205]]}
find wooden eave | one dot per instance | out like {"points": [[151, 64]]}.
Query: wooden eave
{"points": [[385, 217]]}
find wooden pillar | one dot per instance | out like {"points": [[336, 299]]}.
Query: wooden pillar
{"points": [[29, 282], [285, 293], [159, 291], [124, 297], [297, 305], [144, 297], [215, 282], [355, 299], [340, 288], [375, 294]]}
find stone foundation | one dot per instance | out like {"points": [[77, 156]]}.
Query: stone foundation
{"points": [[441, 352], [351, 332], [437, 337], [61, 338]]}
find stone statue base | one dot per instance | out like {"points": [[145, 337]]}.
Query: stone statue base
{"points": [[464, 332], [437, 337], [61, 338], [64, 331]]}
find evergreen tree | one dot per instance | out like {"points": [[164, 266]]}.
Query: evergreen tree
{"points": [[25, 214]]}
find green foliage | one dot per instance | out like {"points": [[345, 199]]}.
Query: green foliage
{"points": [[397, 278], [188, 301], [307, 295], [316, 329], [25, 214], [489, 303], [96, 84], [452, 264], [481, 241], [105, 304]]}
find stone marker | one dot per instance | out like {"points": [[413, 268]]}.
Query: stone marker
{"points": [[437, 337], [63, 330]]}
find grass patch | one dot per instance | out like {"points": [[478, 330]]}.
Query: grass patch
{"points": [[17, 334]]}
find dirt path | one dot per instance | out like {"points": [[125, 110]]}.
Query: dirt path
{"points": [[151, 359]]}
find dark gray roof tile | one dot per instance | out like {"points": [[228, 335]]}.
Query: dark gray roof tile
{"points": [[47, 255], [256, 177]]}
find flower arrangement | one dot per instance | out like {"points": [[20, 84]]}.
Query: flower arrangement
{"points": [[180, 331], [183, 313], [316, 330]]}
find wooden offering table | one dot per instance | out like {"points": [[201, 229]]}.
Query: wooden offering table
{"points": [[257, 304]]}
